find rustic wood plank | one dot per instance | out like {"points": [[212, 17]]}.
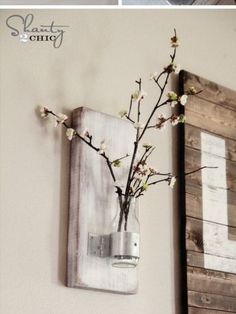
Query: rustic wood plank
{"points": [[193, 140], [194, 237], [211, 117], [211, 91], [197, 259], [212, 301], [194, 204], [193, 161], [93, 202], [211, 281], [194, 310]]}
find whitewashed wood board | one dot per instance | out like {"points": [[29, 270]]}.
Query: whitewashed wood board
{"points": [[93, 201]]}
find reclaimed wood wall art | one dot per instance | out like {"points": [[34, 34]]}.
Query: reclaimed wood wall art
{"points": [[209, 139], [93, 201]]}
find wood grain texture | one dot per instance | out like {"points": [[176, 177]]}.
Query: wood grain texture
{"points": [[210, 281], [210, 203], [211, 91], [212, 301], [93, 202], [194, 204], [195, 239], [193, 140], [197, 259], [194, 310], [193, 161], [211, 117]]}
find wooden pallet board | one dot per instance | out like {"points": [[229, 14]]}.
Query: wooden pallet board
{"points": [[209, 139], [93, 201]]}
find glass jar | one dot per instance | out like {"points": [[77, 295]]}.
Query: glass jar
{"points": [[125, 233]]}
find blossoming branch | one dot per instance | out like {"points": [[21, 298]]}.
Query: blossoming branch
{"points": [[140, 175]]}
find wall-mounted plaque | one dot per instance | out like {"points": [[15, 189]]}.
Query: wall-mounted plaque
{"points": [[209, 203]]}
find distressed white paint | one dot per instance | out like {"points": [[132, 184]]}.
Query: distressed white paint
{"points": [[93, 202], [214, 207]]}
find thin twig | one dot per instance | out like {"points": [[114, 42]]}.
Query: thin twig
{"points": [[196, 170], [118, 159], [130, 106], [89, 143]]}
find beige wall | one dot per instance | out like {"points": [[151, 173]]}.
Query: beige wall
{"points": [[102, 54]]}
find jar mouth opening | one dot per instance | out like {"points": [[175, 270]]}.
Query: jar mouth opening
{"points": [[125, 261], [124, 265]]}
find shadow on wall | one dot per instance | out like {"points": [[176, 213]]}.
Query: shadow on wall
{"points": [[177, 222], [64, 205]]}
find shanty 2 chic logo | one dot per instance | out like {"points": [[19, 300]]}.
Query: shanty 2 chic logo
{"points": [[24, 28]]}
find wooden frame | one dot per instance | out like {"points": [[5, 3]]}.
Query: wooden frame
{"points": [[208, 209]]}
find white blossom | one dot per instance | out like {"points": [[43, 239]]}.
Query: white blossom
{"points": [[141, 170], [183, 99], [84, 133], [172, 96], [70, 133], [174, 121], [138, 125], [123, 113], [163, 126], [172, 182], [161, 116], [102, 147], [138, 177], [172, 67], [174, 42], [161, 122], [43, 111], [138, 95], [61, 118], [152, 170], [153, 76], [177, 68]]}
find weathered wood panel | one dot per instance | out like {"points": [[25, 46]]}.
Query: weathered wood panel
{"points": [[212, 301], [211, 91], [93, 202], [193, 161], [195, 237], [194, 310], [210, 281], [198, 260], [194, 205], [210, 199], [193, 140], [211, 117]]}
